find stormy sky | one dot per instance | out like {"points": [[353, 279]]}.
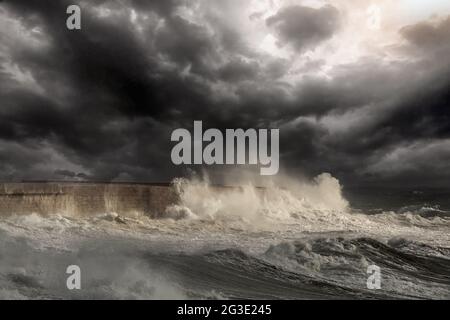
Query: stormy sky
{"points": [[359, 89]]}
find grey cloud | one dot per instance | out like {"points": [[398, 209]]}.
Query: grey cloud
{"points": [[111, 96], [428, 36], [238, 69], [408, 162], [305, 27]]}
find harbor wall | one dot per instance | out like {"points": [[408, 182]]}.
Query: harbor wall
{"points": [[85, 198]]}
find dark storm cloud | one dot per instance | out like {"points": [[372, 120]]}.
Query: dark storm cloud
{"points": [[305, 27], [101, 103], [429, 37], [239, 69], [108, 76], [186, 44]]}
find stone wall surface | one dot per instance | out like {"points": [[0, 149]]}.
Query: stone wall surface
{"points": [[82, 198]]}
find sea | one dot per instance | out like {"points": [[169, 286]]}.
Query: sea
{"points": [[298, 240]]}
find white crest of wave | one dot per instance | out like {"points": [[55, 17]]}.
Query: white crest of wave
{"points": [[282, 199]]}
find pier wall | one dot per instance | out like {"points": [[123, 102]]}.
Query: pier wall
{"points": [[82, 198]]}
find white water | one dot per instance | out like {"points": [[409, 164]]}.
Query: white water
{"points": [[256, 221]]}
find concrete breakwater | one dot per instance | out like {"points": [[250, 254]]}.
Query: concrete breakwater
{"points": [[86, 198]]}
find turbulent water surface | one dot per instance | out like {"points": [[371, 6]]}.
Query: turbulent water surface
{"points": [[300, 242]]}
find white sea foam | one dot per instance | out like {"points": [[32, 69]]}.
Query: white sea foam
{"points": [[198, 199], [278, 223]]}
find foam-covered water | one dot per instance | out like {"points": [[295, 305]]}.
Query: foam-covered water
{"points": [[302, 240]]}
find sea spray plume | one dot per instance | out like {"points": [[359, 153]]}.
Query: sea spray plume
{"points": [[281, 199], [200, 199]]}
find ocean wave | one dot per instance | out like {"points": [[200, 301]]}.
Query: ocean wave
{"points": [[426, 211], [339, 253], [319, 268], [198, 200], [312, 265]]}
